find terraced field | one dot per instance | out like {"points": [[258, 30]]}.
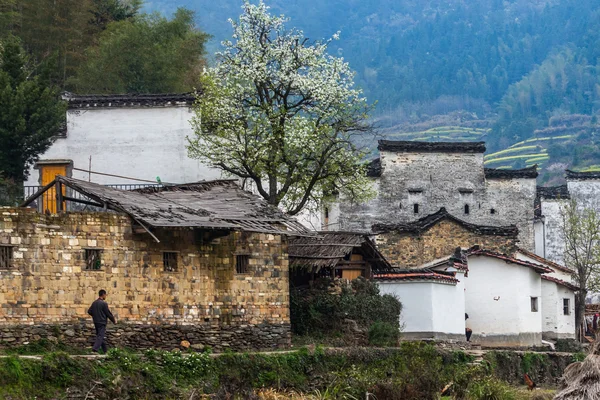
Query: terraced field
{"points": [[442, 133], [531, 152]]}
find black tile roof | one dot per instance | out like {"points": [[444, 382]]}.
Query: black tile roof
{"points": [[525, 173], [127, 100], [421, 225], [431, 147], [582, 176]]}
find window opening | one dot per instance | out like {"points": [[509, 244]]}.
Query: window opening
{"points": [[242, 261], [170, 261], [492, 211], [566, 306], [326, 213], [6, 256], [416, 208], [92, 259], [467, 210], [534, 304]]}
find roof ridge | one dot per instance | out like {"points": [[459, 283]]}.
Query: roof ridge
{"points": [[544, 260], [431, 147], [424, 223], [478, 251]]}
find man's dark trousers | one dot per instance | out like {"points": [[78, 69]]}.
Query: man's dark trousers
{"points": [[100, 333]]}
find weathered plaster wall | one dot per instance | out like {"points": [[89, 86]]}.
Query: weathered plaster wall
{"points": [[441, 240], [141, 143], [435, 180], [498, 301], [429, 309], [48, 284], [513, 203], [557, 325], [553, 235]]}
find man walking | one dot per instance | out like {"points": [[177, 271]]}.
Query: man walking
{"points": [[101, 314]]}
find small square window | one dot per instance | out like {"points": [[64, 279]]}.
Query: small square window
{"points": [[93, 262], [567, 306], [6, 257], [416, 208], [493, 211], [242, 261], [534, 304], [170, 261]]}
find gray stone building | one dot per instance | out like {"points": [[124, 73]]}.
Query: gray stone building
{"points": [[584, 187], [416, 179]]}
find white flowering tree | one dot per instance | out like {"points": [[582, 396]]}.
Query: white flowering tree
{"points": [[281, 112]]}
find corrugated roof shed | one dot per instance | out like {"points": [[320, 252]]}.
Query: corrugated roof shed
{"points": [[211, 205]]}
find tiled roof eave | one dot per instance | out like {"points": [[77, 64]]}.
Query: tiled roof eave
{"points": [[560, 282]]}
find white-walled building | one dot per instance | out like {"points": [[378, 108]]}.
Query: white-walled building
{"points": [[511, 301], [503, 297], [124, 139], [558, 298], [433, 305]]}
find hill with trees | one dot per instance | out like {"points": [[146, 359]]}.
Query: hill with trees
{"points": [[519, 69]]}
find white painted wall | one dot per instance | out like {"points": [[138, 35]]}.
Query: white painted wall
{"points": [[557, 325], [428, 308], [504, 319], [539, 238], [553, 236], [141, 143]]}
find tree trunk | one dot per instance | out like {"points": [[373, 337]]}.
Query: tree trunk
{"points": [[580, 314]]}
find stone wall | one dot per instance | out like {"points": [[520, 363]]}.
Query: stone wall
{"points": [[47, 283], [405, 250], [436, 180]]}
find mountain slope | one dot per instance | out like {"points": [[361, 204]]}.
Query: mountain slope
{"points": [[511, 65]]}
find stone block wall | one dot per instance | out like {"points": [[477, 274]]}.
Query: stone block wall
{"points": [[405, 250], [48, 287], [436, 180]]}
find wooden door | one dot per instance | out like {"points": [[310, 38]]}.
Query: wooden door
{"points": [[48, 173], [351, 274]]}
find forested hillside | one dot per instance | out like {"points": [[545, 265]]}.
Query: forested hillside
{"points": [[517, 70]]}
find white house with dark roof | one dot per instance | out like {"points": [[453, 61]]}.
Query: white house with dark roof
{"points": [[511, 301], [123, 139], [558, 298], [433, 298]]}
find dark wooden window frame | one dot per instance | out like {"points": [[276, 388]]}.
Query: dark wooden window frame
{"points": [[170, 261], [566, 306], [6, 256], [242, 263], [93, 259]]}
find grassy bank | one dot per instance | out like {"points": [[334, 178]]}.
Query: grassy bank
{"points": [[412, 371]]}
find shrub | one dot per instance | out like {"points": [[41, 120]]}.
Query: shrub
{"points": [[383, 334], [321, 310]]}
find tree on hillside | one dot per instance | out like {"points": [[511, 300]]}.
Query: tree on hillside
{"points": [[581, 231], [56, 32], [279, 111], [31, 113], [148, 54], [107, 11]]}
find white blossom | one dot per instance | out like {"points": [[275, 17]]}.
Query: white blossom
{"points": [[281, 111]]}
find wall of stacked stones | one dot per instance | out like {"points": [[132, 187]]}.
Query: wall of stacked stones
{"points": [[47, 289], [405, 250]]}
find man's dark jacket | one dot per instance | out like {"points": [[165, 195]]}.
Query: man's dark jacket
{"points": [[100, 312]]}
